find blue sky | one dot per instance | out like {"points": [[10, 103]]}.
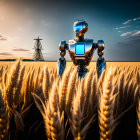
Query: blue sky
{"points": [[116, 22]]}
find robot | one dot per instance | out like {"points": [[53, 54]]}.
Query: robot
{"points": [[81, 51]]}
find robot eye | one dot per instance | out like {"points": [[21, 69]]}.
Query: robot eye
{"points": [[77, 28]]}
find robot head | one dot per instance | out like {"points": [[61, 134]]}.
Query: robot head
{"points": [[80, 27]]}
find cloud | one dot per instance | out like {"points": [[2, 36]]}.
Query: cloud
{"points": [[122, 27], [30, 53], [21, 49], [131, 24], [136, 18], [126, 22], [136, 34], [129, 48], [5, 53], [132, 42], [125, 34], [3, 38]]}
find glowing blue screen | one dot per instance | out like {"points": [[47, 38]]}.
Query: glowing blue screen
{"points": [[80, 49], [79, 27]]}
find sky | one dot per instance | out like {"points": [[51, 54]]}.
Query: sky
{"points": [[117, 22]]}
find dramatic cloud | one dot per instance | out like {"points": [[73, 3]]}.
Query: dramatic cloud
{"points": [[125, 34], [122, 27], [126, 22], [5, 53], [136, 34], [21, 50], [3, 38], [130, 27], [131, 42], [129, 48], [136, 18]]}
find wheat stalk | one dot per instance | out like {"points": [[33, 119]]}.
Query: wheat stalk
{"points": [[4, 119], [53, 117], [87, 93], [18, 120], [1, 73], [46, 81], [71, 91]]}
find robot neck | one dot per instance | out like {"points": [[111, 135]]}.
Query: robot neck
{"points": [[80, 38]]}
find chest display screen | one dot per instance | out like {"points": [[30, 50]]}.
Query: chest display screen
{"points": [[80, 49]]}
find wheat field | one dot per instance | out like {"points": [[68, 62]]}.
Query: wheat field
{"points": [[36, 104]]}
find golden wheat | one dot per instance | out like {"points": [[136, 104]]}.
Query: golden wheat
{"points": [[46, 83], [4, 119], [78, 130], [106, 106], [71, 91], [63, 88], [53, 117], [11, 83], [82, 101]]}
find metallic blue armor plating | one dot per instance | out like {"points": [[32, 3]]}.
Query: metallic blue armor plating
{"points": [[81, 51], [60, 66]]}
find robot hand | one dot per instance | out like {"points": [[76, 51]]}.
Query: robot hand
{"points": [[60, 66], [101, 63]]}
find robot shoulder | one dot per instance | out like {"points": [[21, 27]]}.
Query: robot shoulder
{"points": [[89, 40], [73, 41]]}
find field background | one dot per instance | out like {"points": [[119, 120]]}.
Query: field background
{"points": [[54, 64]]}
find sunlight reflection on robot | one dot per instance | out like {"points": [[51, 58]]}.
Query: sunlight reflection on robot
{"points": [[81, 51]]}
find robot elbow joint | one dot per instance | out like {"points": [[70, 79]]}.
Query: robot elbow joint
{"points": [[101, 45]]}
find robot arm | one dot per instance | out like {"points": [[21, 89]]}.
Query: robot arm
{"points": [[61, 63], [101, 63]]}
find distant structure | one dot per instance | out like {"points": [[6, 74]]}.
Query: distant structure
{"points": [[38, 56]]}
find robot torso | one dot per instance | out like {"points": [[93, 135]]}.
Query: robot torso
{"points": [[81, 52]]}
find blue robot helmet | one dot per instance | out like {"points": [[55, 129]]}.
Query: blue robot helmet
{"points": [[80, 27]]}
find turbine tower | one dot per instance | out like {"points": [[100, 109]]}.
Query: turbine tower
{"points": [[38, 47]]}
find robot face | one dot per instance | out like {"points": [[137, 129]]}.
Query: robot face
{"points": [[80, 27]]}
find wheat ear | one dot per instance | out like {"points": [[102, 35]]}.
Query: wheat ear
{"points": [[106, 105], [53, 117], [63, 88], [19, 85], [78, 130], [137, 94], [12, 81]]}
